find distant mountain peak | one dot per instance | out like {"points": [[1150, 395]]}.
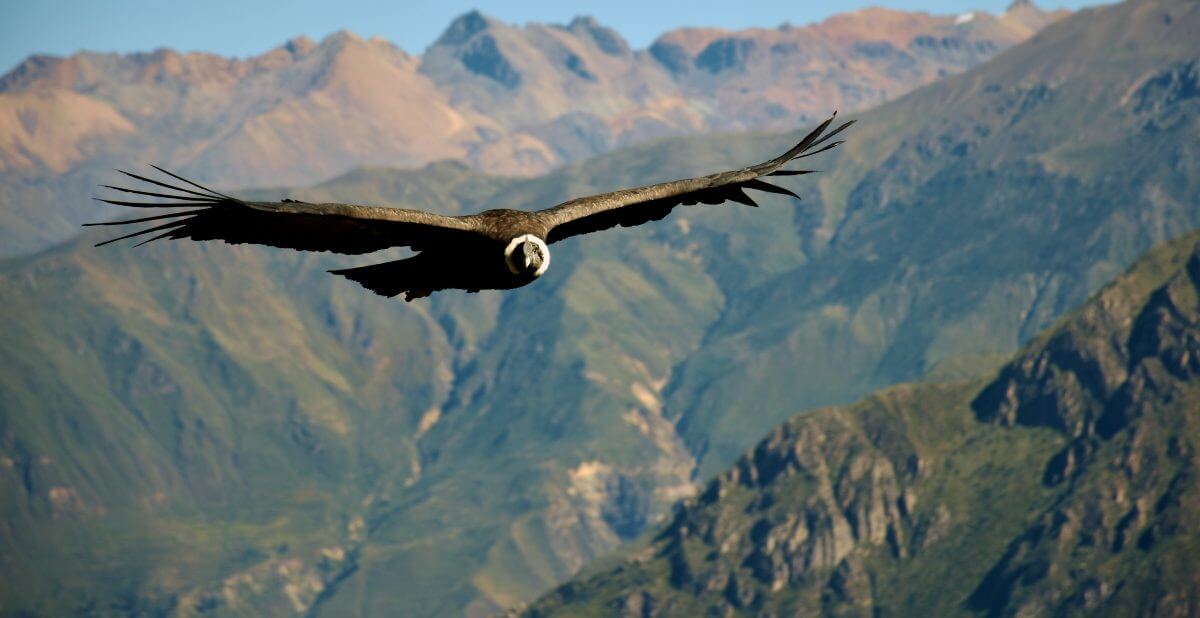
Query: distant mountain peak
{"points": [[30, 70], [608, 40], [586, 21], [300, 45], [341, 37], [464, 27]]}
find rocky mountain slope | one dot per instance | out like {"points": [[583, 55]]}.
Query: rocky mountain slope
{"points": [[203, 427], [1062, 486], [507, 99], [962, 219]]}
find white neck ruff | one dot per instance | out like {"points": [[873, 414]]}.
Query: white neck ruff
{"points": [[512, 246]]}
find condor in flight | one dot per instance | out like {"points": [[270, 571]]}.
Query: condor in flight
{"points": [[491, 250]]}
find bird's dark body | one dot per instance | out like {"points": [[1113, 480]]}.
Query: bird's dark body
{"points": [[474, 265], [492, 250], [503, 224]]}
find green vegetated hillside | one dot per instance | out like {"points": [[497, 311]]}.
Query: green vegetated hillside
{"points": [[184, 425], [1067, 484], [962, 219], [199, 426], [205, 427]]}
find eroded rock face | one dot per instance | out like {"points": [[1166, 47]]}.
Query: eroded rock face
{"points": [[482, 57], [1063, 385], [818, 492], [1168, 88], [726, 54], [1130, 416], [1094, 376], [606, 503]]}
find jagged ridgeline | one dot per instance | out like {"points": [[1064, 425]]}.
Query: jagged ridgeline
{"points": [[1067, 484], [509, 99]]}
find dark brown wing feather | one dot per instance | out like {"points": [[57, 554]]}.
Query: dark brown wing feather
{"points": [[342, 228], [629, 207]]}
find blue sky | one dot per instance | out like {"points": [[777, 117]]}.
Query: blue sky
{"points": [[246, 27]]}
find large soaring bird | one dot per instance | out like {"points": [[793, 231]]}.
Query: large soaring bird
{"points": [[492, 250]]}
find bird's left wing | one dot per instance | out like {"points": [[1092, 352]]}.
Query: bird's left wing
{"points": [[629, 207], [199, 213]]}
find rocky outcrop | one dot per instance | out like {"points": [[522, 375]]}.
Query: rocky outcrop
{"points": [[1120, 378], [726, 54], [798, 512], [482, 57], [1118, 356]]}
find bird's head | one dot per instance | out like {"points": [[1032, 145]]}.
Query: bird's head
{"points": [[527, 255]]}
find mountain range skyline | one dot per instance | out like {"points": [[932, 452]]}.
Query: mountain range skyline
{"points": [[505, 99], [134, 26]]}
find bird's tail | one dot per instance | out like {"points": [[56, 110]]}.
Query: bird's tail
{"points": [[408, 276]]}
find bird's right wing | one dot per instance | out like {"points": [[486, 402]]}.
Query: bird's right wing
{"points": [[199, 213], [629, 207]]}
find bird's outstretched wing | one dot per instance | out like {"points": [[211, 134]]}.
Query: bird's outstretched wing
{"points": [[199, 213], [629, 207]]}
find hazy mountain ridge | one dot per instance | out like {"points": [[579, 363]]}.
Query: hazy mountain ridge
{"points": [[487, 463], [926, 499], [507, 99]]}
